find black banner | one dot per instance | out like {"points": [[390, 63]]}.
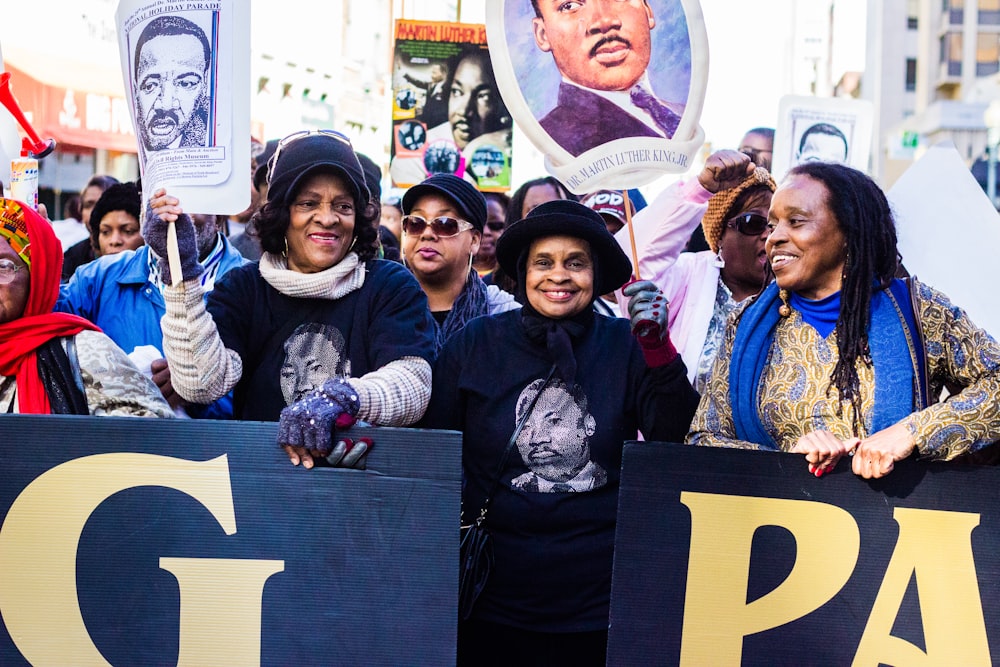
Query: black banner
{"points": [[160, 542], [728, 557]]}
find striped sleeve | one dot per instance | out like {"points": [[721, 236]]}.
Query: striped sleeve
{"points": [[396, 394], [202, 369]]}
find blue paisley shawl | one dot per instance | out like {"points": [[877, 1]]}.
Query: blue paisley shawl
{"points": [[896, 350]]}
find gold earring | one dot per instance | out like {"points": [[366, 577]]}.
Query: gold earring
{"points": [[784, 309], [284, 253]]}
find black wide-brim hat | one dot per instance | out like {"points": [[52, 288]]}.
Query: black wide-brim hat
{"points": [[564, 217]]}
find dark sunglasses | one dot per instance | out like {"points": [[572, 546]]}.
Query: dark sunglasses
{"points": [[443, 227], [751, 224], [495, 226]]}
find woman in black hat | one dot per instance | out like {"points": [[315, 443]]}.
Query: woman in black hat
{"points": [[319, 333], [580, 385], [442, 229]]}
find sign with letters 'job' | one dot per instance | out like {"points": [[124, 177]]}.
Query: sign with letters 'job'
{"points": [[170, 542], [727, 557]]}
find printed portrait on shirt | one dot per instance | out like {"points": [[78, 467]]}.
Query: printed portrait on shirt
{"points": [[582, 77], [314, 353], [555, 440]]}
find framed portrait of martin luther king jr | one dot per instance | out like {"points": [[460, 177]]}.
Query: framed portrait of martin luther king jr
{"points": [[610, 90]]}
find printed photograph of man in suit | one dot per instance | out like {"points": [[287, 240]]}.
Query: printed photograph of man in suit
{"points": [[602, 50]]}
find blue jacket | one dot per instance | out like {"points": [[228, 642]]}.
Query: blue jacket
{"points": [[114, 292]]}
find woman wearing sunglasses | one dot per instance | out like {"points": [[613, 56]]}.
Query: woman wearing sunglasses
{"points": [[705, 287], [443, 224], [319, 333]]}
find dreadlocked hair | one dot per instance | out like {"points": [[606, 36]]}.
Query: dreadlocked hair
{"points": [[863, 214]]}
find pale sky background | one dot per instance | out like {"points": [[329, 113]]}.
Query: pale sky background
{"points": [[749, 43]]}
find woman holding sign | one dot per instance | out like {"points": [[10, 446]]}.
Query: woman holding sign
{"points": [[839, 357], [319, 333], [545, 423]]}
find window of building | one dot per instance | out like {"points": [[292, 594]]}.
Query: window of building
{"points": [[987, 53], [912, 12], [989, 12], [911, 74], [955, 9], [951, 53]]}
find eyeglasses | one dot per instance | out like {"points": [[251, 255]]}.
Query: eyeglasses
{"points": [[301, 134], [751, 224], [8, 271], [443, 226], [495, 226]]}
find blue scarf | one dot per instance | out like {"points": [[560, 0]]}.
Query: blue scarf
{"points": [[897, 366]]}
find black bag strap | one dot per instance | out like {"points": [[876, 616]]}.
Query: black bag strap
{"points": [[510, 446]]}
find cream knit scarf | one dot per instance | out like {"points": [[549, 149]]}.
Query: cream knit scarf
{"points": [[340, 279]]}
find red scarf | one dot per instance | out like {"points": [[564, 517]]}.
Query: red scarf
{"points": [[20, 338]]}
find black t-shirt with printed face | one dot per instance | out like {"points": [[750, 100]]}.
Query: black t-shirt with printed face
{"points": [[291, 345], [553, 516]]}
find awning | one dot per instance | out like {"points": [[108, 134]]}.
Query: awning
{"points": [[94, 118]]}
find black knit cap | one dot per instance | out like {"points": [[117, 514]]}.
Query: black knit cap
{"points": [[564, 217], [119, 197], [373, 175], [311, 153], [470, 201], [260, 176]]}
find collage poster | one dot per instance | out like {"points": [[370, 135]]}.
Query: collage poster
{"points": [[447, 113]]}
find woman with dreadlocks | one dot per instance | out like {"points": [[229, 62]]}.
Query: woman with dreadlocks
{"points": [[839, 357]]}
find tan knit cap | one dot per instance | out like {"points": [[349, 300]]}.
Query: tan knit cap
{"points": [[714, 221]]}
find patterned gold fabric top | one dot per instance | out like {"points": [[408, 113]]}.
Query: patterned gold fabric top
{"points": [[795, 396]]}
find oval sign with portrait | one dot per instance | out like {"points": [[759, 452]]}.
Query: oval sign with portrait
{"points": [[610, 90]]}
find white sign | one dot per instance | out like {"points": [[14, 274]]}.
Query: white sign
{"points": [[822, 129], [611, 92], [186, 68], [949, 233]]}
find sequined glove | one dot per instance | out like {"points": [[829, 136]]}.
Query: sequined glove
{"points": [[311, 421], [648, 309]]}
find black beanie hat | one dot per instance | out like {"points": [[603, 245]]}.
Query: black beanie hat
{"points": [[119, 197], [300, 156], [470, 201], [373, 176], [263, 160]]}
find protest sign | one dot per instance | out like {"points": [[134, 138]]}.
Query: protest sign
{"points": [[614, 100], [732, 557], [186, 68], [447, 115], [151, 542]]}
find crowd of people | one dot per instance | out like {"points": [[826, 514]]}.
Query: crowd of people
{"points": [[517, 320]]}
